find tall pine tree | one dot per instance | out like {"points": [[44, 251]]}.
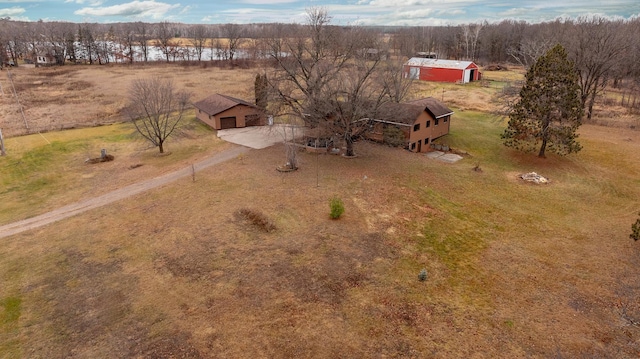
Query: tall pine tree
{"points": [[549, 110], [261, 85]]}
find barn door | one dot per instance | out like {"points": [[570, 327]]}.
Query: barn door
{"points": [[414, 73]]}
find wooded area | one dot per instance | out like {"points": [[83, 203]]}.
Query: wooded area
{"points": [[606, 52]]}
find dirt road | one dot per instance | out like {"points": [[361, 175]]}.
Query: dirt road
{"points": [[128, 191]]}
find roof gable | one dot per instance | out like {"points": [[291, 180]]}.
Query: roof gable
{"points": [[218, 103]]}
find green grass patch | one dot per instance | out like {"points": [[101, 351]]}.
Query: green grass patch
{"points": [[49, 170], [11, 309]]}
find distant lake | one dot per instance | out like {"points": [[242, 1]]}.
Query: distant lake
{"points": [[177, 53]]}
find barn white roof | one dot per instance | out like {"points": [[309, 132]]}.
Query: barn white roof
{"points": [[444, 64]]}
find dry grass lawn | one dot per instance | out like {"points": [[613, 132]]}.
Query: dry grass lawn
{"points": [[514, 269], [76, 96]]}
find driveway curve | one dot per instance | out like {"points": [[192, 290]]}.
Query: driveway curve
{"points": [[113, 196]]}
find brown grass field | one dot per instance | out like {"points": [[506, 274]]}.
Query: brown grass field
{"points": [[515, 270]]}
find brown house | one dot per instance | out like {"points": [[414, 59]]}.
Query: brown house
{"points": [[221, 112], [420, 122]]}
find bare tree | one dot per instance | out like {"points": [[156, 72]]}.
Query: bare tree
{"points": [[392, 80], [14, 40], [55, 34], [470, 36], [156, 108], [127, 39], [234, 34], [530, 50], [164, 37], [4, 41], [596, 47], [143, 35], [327, 79], [198, 38], [88, 43]]}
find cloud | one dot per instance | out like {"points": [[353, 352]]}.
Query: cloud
{"points": [[406, 3], [267, 2], [12, 12], [89, 2], [139, 9], [254, 15]]}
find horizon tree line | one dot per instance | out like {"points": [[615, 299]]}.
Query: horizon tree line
{"points": [[605, 52]]}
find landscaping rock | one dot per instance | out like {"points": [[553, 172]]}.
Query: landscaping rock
{"points": [[534, 177]]}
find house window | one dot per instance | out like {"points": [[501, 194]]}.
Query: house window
{"points": [[426, 141], [416, 127], [413, 146], [435, 122], [446, 119], [428, 123]]}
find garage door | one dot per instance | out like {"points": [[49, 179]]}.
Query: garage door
{"points": [[227, 122]]}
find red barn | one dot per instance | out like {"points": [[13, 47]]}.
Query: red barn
{"points": [[441, 70]]}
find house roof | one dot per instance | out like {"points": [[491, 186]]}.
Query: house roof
{"points": [[438, 63], [400, 113], [217, 103], [436, 108], [407, 112]]}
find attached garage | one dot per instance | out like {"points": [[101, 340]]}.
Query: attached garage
{"points": [[441, 70], [222, 112]]}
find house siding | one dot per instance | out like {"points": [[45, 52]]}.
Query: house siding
{"points": [[425, 135]]}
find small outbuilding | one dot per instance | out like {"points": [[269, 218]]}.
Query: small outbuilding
{"points": [[45, 59], [413, 124], [222, 112], [438, 70]]}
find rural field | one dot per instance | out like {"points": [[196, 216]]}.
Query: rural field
{"points": [[514, 269]]}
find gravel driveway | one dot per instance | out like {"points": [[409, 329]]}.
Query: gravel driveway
{"points": [[249, 137], [128, 191]]}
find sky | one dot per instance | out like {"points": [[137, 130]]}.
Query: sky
{"points": [[343, 12]]}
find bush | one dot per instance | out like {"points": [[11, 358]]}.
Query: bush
{"points": [[337, 208], [635, 230], [423, 275], [394, 137]]}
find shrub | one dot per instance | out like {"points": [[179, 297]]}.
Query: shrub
{"points": [[337, 208], [423, 275], [394, 137], [635, 230]]}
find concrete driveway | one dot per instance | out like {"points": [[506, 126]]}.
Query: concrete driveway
{"points": [[444, 157], [259, 137]]}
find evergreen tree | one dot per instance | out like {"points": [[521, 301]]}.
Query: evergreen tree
{"points": [[549, 110], [261, 91]]}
